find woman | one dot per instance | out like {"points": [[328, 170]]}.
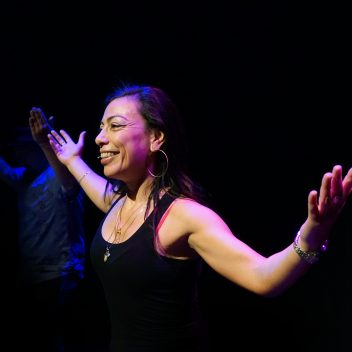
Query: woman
{"points": [[156, 232]]}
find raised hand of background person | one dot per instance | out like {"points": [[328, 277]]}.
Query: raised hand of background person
{"points": [[40, 126]]}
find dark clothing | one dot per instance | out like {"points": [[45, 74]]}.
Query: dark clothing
{"points": [[51, 256], [50, 317], [152, 299], [50, 223]]}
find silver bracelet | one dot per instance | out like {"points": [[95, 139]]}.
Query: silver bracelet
{"points": [[83, 176], [310, 257]]}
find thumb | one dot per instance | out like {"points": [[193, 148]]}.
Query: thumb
{"points": [[81, 138], [51, 121]]}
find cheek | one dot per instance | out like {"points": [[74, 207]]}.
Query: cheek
{"points": [[140, 146]]}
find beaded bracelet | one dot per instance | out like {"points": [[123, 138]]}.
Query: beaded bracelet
{"points": [[310, 257]]}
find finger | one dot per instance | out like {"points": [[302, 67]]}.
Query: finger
{"points": [[33, 123], [66, 136], [51, 119], [325, 189], [32, 112], [42, 118], [52, 137], [38, 119], [347, 184], [55, 145], [81, 138], [35, 113], [313, 209], [336, 185], [32, 116], [59, 138]]}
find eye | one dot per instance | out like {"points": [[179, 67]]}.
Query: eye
{"points": [[115, 126]]}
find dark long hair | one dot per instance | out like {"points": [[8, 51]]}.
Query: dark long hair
{"points": [[160, 113]]}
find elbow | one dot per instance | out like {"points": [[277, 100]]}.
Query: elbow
{"points": [[271, 294], [270, 291]]}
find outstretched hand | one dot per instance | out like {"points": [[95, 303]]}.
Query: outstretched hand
{"points": [[64, 147], [323, 209], [40, 126]]}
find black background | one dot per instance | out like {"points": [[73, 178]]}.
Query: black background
{"points": [[264, 90]]}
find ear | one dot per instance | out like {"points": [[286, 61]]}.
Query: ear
{"points": [[157, 139]]}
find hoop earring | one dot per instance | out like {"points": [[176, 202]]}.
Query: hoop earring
{"points": [[163, 173]]}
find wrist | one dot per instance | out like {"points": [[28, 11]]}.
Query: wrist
{"points": [[83, 176], [75, 162], [309, 256]]}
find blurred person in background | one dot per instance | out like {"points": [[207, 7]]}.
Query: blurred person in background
{"points": [[51, 242]]}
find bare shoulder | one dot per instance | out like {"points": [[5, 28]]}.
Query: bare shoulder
{"points": [[183, 218], [189, 211], [189, 227]]}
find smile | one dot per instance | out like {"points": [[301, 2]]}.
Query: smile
{"points": [[107, 154]]}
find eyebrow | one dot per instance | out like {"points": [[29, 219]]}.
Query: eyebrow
{"points": [[112, 116]]}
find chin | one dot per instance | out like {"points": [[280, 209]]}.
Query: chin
{"points": [[111, 175]]}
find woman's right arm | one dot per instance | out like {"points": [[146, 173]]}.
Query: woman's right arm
{"points": [[69, 153]]}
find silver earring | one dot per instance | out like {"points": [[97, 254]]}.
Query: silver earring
{"points": [[163, 173]]}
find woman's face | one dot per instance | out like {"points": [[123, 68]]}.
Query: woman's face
{"points": [[124, 140]]}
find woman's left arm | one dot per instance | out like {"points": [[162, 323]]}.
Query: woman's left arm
{"points": [[211, 238]]}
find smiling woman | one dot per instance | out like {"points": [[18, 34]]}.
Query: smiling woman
{"points": [[123, 139], [157, 230]]}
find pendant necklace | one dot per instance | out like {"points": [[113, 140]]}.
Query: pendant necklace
{"points": [[117, 230]]}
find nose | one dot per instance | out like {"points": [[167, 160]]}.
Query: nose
{"points": [[101, 138]]}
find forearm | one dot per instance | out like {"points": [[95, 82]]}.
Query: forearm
{"points": [[92, 184], [64, 176], [265, 276], [281, 270]]}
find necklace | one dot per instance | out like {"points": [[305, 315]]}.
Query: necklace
{"points": [[117, 230]]}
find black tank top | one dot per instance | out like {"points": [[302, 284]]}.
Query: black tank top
{"points": [[152, 299]]}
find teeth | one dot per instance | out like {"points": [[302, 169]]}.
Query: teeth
{"points": [[106, 155]]}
